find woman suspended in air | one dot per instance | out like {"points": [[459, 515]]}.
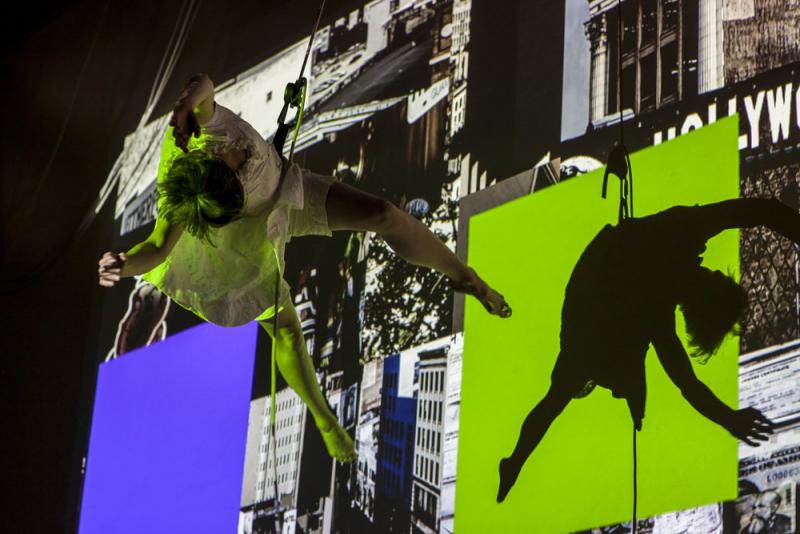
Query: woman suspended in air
{"points": [[224, 216], [622, 296]]}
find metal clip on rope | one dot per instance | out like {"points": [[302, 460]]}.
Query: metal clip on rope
{"points": [[293, 96], [619, 164]]}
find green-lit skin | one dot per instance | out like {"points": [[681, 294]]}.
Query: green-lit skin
{"points": [[348, 209], [152, 250]]}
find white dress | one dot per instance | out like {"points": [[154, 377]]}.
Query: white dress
{"points": [[233, 282]]}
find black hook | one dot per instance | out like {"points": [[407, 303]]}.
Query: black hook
{"points": [[292, 97], [617, 165]]}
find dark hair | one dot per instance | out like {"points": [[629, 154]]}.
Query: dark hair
{"points": [[712, 306], [200, 192]]}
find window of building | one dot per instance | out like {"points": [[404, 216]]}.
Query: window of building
{"points": [[630, 15], [649, 22], [670, 15], [628, 84], [647, 96], [658, 53]]}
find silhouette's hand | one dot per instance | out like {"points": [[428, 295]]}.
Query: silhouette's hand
{"points": [[185, 124], [750, 426], [110, 268]]}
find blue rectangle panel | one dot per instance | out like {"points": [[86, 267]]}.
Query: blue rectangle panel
{"points": [[168, 436]]}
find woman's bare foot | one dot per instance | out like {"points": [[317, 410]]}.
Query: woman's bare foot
{"points": [[338, 442], [493, 301]]}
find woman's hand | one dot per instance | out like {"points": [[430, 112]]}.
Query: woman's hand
{"points": [[750, 426], [110, 268], [185, 124]]}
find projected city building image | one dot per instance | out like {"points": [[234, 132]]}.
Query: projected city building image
{"points": [[432, 383]]}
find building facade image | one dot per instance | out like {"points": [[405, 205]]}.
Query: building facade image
{"points": [[395, 452], [668, 50], [427, 485]]}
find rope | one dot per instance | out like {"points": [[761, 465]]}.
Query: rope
{"points": [[294, 99], [625, 211], [635, 480], [622, 161], [173, 50], [619, 161], [11, 284], [164, 72], [619, 164]]}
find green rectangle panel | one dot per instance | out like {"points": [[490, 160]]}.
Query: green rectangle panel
{"points": [[580, 476]]}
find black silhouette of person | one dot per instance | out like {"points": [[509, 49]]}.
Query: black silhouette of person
{"points": [[622, 296]]}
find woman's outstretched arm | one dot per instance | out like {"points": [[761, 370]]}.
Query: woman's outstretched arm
{"points": [[748, 424], [142, 257], [747, 213], [195, 106], [151, 252]]}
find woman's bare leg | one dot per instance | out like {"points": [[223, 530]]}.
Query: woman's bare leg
{"points": [[533, 430], [298, 370], [352, 209]]}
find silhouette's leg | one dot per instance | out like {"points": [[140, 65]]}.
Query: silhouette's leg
{"points": [[533, 430]]}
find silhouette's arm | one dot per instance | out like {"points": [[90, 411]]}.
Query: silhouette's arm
{"points": [[746, 424], [675, 361], [746, 213]]}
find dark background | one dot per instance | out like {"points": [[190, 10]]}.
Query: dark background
{"points": [[515, 75], [50, 299]]}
